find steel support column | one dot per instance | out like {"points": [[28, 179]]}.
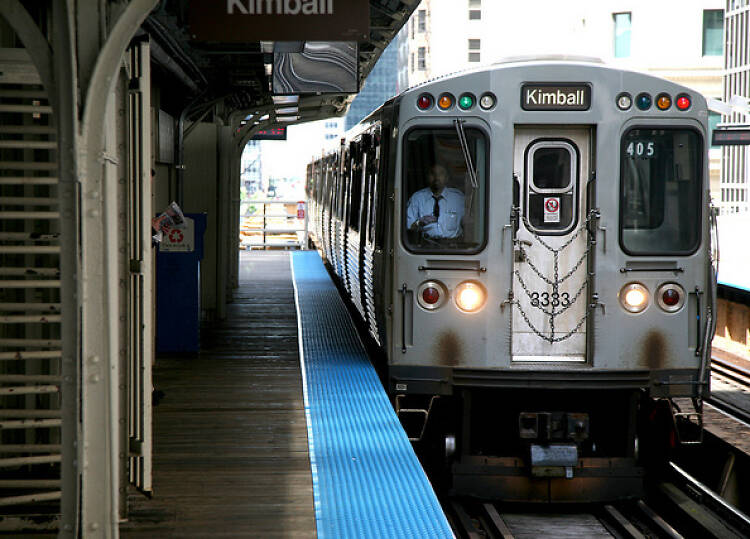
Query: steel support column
{"points": [[99, 286]]}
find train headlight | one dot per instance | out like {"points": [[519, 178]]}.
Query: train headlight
{"points": [[670, 297], [470, 296], [634, 297], [431, 295]]}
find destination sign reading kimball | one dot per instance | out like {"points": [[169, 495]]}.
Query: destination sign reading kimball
{"points": [[547, 96], [231, 21]]}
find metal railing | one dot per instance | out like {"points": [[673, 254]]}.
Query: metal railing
{"points": [[274, 224]]}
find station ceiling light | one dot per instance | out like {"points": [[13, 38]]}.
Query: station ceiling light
{"points": [[285, 99]]}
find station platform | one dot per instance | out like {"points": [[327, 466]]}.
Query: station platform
{"points": [[278, 428]]}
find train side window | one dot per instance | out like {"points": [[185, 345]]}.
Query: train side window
{"points": [[443, 209], [660, 191]]}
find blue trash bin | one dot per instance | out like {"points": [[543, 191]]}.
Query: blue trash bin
{"points": [[178, 289]]}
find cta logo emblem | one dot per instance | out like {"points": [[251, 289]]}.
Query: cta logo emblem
{"points": [[545, 96]]}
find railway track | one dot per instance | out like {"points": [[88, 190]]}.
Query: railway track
{"points": [[632, 519], [735, 374], [678, 507]]}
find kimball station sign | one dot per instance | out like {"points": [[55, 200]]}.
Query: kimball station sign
{"points": [[238, 21]]}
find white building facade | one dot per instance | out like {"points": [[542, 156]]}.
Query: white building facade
{"points": [[736, 159]]}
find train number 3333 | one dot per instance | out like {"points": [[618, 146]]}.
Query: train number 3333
{"points": [[545, 299]]}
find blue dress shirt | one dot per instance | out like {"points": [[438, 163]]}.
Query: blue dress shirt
{"points": [[451, 202]]}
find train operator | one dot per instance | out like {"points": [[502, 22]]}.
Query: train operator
{"points": [[437, 210]]}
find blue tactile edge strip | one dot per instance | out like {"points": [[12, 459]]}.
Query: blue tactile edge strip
{"points": [[367, 481]]}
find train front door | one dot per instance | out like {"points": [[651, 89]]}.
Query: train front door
{"points": [[550, 284]]}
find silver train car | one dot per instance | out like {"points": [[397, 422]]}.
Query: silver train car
{"points": [[530, 247]]}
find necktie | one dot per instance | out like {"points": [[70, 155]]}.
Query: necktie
{"points": [[436, 207]]}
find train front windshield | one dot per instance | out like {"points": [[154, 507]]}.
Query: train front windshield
{"points": [[661, 191], [444, 206]]}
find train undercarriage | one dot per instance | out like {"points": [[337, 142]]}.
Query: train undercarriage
{"points": [[540, 446]]}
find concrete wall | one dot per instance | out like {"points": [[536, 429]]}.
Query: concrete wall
{"points": [[200, 195]]}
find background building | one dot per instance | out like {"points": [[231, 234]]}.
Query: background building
{"points": [[380, 85], [736, 159]]}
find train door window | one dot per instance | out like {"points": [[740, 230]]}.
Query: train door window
{"points": [[551, 186], [373, 162], [660, 191], [444, 207]]}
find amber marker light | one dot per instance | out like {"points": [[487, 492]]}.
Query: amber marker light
{"points": [[445, 102], [634, 297], [470, 296], [663, 102]]}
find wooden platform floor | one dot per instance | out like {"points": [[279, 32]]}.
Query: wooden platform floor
{"points": [[230, 450]]}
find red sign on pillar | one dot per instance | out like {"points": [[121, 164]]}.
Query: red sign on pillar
{"points": [[300, 210]]}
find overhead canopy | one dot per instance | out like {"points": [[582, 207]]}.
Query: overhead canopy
{"points": [[201, 63]]}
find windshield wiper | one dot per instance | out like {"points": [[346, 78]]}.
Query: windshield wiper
{"points": [[459, 124]]}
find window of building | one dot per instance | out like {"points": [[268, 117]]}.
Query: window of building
{"points": [[622, 34], [412, 62], [421, 20], [421, 58], [713, 32], [475, 46], [475, 10]]}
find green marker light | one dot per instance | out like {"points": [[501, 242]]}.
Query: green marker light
{"points": [[466, 102]]}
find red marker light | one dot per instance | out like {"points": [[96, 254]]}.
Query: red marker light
{"points": [[431, 295], [424, 101], [683, 102], [670, 297]]}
